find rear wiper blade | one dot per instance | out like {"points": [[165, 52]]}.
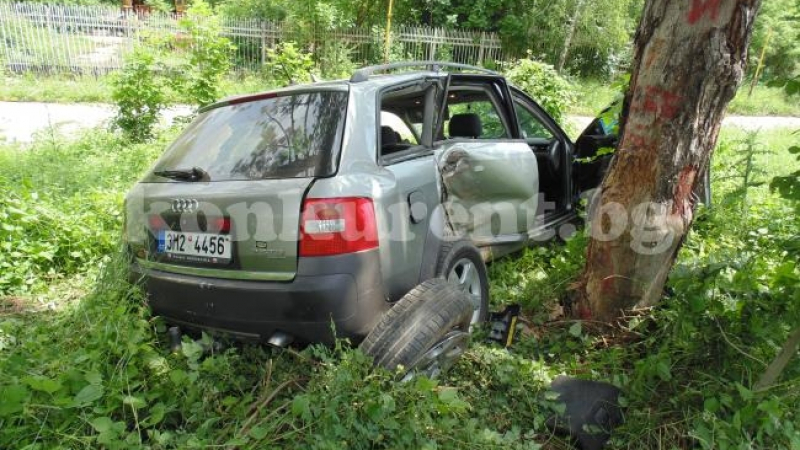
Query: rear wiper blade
{"points": [[193, 174]]}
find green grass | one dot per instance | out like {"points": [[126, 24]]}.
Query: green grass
{"points": [[593, 96], [26, 43], [766, 101], [66, 89], [30, 88], [83, 364]]}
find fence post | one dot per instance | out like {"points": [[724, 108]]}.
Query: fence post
{"points": [[263, 42], [480, 49], [432, 48]]}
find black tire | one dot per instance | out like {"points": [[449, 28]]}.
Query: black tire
{"points": [[418, 323], [452, 256]]}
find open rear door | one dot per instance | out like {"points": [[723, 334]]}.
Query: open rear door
{"points": [[489, 175]]}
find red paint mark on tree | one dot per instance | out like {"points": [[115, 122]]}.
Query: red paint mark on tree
{"points": [[702, 7], [661, 101], [638, 140], [682, 198]]}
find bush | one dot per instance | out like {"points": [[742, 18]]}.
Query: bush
{"points": [[139, 93], [60, 206], [335, 61], [208, 56], [542, 82], [152, 76], [288, 63]]}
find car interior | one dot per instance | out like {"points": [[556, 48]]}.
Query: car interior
{"points": [[474, 111]]}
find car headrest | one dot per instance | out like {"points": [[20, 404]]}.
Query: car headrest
{"points": [[388, 136], [466, 125]]}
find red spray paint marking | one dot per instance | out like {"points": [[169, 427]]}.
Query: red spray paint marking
{"points": [[662, 104], [636, 140], [658, 101], [683, 192], [700, 8], [661, 101]]}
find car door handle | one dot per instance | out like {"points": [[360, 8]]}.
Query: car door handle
{"points": [[418, 210]]}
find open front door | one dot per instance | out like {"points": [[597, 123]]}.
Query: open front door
{"points": [[595, 149]]}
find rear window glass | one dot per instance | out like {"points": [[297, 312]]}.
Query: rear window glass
{"points": [[292, 136]]}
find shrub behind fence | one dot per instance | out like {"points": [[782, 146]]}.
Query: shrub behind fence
{"points": [[42, 38]]}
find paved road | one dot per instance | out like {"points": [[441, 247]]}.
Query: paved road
{"points": [[20, 121]]}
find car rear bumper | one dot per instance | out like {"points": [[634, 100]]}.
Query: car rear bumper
{"points": [[344, 293]]}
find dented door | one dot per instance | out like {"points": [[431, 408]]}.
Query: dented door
{"points": [[490, 188]]}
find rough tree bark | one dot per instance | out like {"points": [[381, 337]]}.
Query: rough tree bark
{"points": [[689, 58]]}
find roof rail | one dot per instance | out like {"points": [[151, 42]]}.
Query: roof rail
{"points": [[364, 73]]}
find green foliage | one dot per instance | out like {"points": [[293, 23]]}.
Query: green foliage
{"points": [[253, 9], [59, 206], [788, 186], [289, 64], [778, 28], [335, 61], [602, 33], [199, 77], [540, 81], [540, 277], [155, 75], [139, 92], [687, 368]]}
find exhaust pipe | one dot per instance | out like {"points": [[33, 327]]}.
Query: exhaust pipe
{"points": [[175, 338]]}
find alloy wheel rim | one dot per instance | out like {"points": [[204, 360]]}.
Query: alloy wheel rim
{"points": [[439, 358], [464, 276]]}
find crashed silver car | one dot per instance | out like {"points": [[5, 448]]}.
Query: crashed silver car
{"points": [[362, 208]]}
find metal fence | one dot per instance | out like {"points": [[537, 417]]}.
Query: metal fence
{"points": [[44, 38]]}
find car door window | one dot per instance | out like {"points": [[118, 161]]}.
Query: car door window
{"points": [[472, 113], [402, 130], [529, 125], [402, 119]]}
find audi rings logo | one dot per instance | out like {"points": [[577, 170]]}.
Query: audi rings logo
{"points": [[184, 205]]}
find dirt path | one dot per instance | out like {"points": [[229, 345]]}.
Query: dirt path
{"points": [[20, 121]]}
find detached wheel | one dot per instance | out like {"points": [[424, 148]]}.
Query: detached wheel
{"points": [[426, 331], [461, 264]]}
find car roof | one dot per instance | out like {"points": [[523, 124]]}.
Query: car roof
{"points": [[366, 82]]}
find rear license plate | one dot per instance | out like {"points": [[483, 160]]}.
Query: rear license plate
{"points": [[200, 247]]}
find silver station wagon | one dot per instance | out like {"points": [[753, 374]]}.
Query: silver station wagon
{"points": [[362, 208]]}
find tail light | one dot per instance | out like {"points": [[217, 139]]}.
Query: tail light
{"points": [[333, 226], [221, 225], [156, 223]]}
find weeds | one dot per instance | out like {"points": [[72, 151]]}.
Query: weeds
{"points": [[84, 365]]}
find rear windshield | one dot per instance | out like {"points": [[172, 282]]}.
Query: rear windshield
{"points": [[291, 136]]}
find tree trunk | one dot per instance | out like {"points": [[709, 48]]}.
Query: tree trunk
{"points": [[689, 58], [573, 25], [775, 368]]}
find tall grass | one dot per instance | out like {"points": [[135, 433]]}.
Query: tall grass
{"points": [[88, 367]]}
